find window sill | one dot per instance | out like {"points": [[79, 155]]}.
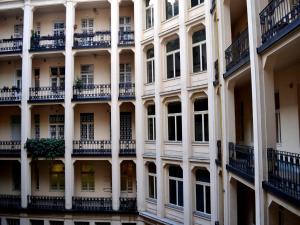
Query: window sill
{"points": [[198, 143], [202, 215], [198, 73], [174, 207], [149, 29], [173, 142], [151, 200], [150, 142], [170, 19], [195, 7], [149, 84], [171, 79]]}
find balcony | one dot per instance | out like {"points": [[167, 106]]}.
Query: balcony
{"points": [[283, 175], [128, 205], [92, 148], [127, 148], [237, 54], [10, 202], [92, 92], [277, 19], [10, 95], [11, 45], [47, 43], [126, 91], [46, 203], [87, 204], [46, 94], [241, 161], [126, 38], [100, 39], [10, 148]]}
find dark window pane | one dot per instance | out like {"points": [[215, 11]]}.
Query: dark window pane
{"points": [[152, 168], [207, 196], [199, 36], [196, 59], [203, 175], [169, 13], [179, 128], [151, 110], [198, 128], [176, 8], [171, 128], [194, 2], [180, 193], [206, 132], [177, 64], [201, 104], [204, 59], [174, 107], [175, 171], [150, 53], [150, 129], [199, 198], [277, 101], [170, 66], [151, 186], [149, 72], [173, 45], [172, 192]]}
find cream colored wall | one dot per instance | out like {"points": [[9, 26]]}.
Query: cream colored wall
{"points": [[102, 179], [101, 67], [101, 120], [6, 178], [7, 25], [5, 121], [239, 26], [47, 19], [8, 72]]}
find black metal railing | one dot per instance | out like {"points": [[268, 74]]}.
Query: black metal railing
{"points": [[237, 51], [284, 172], [91, 204], [46, 202], [219, 153], [92, 92], [100, 39], [126, 90], [10, 201], [126, 38], [10, 148], [276, 16], [241, 159], [9, 95], [46, 94], [127, 148], [128, 204], [47, 43], [11, 45], [92, 148]]}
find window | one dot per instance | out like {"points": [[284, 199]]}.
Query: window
{"points": [[174, 122], [201, 120], [18, 31], [199, 51], [152, 181], [151, 123], [149, 14], [18, 79], [203, 191], [125, 23], [278, 120], [196, 2], [127, 172], [173, 58], [175, 185], [87, 74], [87, 177], [56, 222], [36, 176], [56, 126], [58, 28], [37, 126], [81, 223], [16, 175], [171, 8], [13, 221], [37, 222], [37, 77], [57, 77], [86, 126], [125, 73], [57, 177], [150, 66], [87, 25]]}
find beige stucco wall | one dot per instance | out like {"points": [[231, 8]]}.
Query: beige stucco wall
{"points": [[5, 121], [6, 178], [8, 70], [7, 23]]}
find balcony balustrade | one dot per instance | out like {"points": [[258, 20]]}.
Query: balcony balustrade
{"points": [[100, 39], [90, 92], [10, 148], [127, 148], [10, 95], [46, 94], [128, 204], [47, 43], [52, 203], [92, 148], [126, 38], [126, 91], [89, 204], [11, 45], [10, 202]]}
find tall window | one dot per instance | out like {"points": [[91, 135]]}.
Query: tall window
{"points": [[58, 28], [57, 126], [203, 191], [57, 77], [173, 58], [151, 123], [196, 2], [16, 175], [201, 120], [278, 120], [199, 51], [125, 23], [57, 177], [87, 177], [152, 181], [127, 173], [87, 74], [174, 122], [87, 25], [149, 14], [171, 8], [150, 66], [37, 126], [175, 185], [125, 73], [18, 31], [86, 126]]}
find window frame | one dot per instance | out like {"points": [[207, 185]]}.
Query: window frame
{"points": [[200, 2], [90, 178], [60, 177], [87, 76], [173, 53], [89, 126], [57, 126], [126, 73], [204, 186], [202, 113], [199, 45], [150, 60], [151, 117], [177, 180], [175, 116], [154, 177], [173, 9], [151, 9]]}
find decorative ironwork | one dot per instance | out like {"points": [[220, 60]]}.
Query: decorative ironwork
{"points": [[128, 204], [10, 201], [47, 43], [11, 45], [99, 39], [46, 94], [126, 91], [46, 202], [10, 148], [126, 38], [10, 95], [219, 153], [127, 148], [92, 204], [92, 92], [92, 148]]}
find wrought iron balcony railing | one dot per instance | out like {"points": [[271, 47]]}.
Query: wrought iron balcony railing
{"points": [[92, 204], [47, 43], [10, 95], [46, 94], [277, 16], [126, 91], [127, 148], [56, 203], [100, 39], [241, 161], [238, 52], [92, 92], [10, 148], [284, 174], [11, 45], [126, 38], [92, 148], [128, 204], [10, 201]]}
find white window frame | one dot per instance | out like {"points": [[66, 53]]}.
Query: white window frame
{"points": [[59, 79], [58, 31], [88, 188], [199, 45], [18, 30], [125, 23], [199, 3], [18, 80], [127, 73], [56, 127], [177, 180], [204, 185], [151, 9], [173, 8], [87, 25], [89, 132], [153, 175], [152, 62], [202, 113], [174, 115], [278, 127], [153, 119], [57, 188], [87, 76], [173, 53]]}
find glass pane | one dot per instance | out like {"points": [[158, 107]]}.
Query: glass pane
{"points": [[174, 107], [150, 129], [179, 128], [152, 168], [204, 57], [206, 132], [171, 128], [201, 104], [149, 72], [194, 3], [175, 171], [202, 175], [198, 128], [151, 110], [180, 193], [196, 59], [199, 198], [173, 45], [148, 18], [170, 66], [172, 192], [177, 64], [199, 36], [176, 8], [207, 196], [151, 187], [169, 10]]}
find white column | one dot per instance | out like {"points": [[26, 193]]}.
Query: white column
{"points": [[69, 112], [25, 109], [24, 221], [115, 109]]}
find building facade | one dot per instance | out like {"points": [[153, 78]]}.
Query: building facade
{"points": [[149, 112]]}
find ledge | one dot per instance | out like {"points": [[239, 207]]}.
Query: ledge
{"points": [[240, 173], [236, 67]]}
